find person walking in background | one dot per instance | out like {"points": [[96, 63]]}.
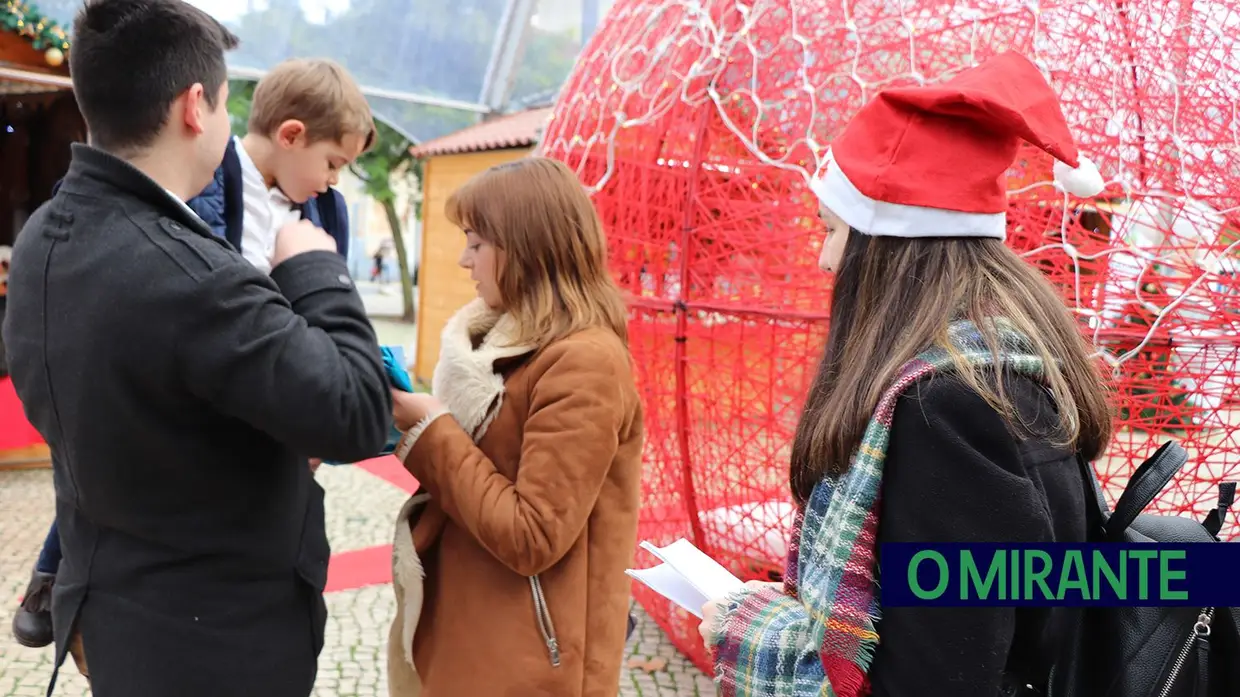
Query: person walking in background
{"points": [[913, 198], [180, 420], [528, 456], [381, 255], [308, 120]]}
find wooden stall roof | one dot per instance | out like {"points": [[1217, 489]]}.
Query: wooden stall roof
{"points": [[516, 130], [33, 51]]}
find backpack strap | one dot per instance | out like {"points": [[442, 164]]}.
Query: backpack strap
{"points": [[1216, 517], [1097, 512], [1143, 486], [1149, 479]]}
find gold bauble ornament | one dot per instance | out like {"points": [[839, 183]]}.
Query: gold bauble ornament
{"points": [[54, 57]]}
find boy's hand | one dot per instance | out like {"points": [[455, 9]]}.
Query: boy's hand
{"points": [[298, 238]]}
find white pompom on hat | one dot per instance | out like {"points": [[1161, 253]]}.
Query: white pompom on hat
{"points": [[1084, 180], [931, 161]]}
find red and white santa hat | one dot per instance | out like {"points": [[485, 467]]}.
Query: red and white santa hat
{"points": [[931, 161]]}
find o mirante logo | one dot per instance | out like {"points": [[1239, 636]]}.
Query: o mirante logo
{"points": [[1060, 574], [1035, 574]]}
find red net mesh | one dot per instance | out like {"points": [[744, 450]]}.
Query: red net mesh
{"points": [[696, 124]]}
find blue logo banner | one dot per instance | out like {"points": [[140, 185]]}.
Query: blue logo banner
{"points": [[1157, 575]]}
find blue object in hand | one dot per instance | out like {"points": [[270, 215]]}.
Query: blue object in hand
{"points": [[394, 362]]}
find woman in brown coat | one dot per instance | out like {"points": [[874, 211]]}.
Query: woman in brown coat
{"points": [[509, 560]]}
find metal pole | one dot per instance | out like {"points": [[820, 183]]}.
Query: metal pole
{"points": [[245, 73], [506, 54], [589, 19]]}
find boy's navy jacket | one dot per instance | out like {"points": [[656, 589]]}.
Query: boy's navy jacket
{"points": [[221, 207]]}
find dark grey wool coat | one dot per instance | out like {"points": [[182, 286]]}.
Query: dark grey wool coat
{"points": [[181, 391]]}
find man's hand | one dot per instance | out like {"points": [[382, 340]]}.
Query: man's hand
{"points": [[314, 464], [298, 238]]}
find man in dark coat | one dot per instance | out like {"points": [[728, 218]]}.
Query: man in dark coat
{"points": [[180, 389]]}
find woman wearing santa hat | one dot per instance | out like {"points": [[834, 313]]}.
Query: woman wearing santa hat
{"points": [[914, 198]]}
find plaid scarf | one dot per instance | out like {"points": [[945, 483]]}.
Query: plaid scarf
{"points": [[818, 636]]}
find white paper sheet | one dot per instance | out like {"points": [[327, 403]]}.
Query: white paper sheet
{"points": [[687, 576]]}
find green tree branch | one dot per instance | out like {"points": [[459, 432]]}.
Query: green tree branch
{"points": [[389, 162]]}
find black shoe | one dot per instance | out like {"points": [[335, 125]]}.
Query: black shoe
{"points": [[32, 625]]}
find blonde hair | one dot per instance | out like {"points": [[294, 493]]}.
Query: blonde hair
{"points": [[316, 91], [553, 275]]}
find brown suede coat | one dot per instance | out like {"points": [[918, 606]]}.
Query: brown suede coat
{"points": [[530, 490]]}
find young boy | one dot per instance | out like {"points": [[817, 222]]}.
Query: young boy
{"points": [[308, 120]]}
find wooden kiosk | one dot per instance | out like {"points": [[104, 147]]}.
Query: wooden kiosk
{"points": [[39, 119], [450, 161]]}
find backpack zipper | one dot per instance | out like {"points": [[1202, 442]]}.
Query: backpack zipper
{"points": [[543, 614], [1201, 629]]}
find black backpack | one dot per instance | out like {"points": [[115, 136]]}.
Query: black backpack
{"points": [[1150, 651]]}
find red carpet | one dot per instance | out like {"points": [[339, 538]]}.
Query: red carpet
{"points": [[371, 566], [389, 469], [15, 430], [359, 568]]}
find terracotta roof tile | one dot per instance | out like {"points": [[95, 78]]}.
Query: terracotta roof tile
{"points": [[516, 130]]}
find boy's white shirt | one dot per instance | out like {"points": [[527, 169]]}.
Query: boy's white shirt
{"points": [[266, 211]]}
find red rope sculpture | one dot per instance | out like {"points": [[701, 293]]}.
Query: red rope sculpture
{"points": [[696, 123]]}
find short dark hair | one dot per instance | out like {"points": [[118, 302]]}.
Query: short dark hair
{"points": [[131, 59]]}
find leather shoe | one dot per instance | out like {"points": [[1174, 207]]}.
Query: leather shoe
{"points": [[32, 625]]}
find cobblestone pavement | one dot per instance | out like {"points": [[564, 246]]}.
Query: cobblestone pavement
{"points": [[360, 510]]}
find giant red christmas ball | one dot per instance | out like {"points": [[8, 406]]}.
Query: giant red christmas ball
{"points": [[696, 124]]}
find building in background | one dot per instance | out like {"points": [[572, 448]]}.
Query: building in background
{"points": [[449, 161], [369, 230], [39, 119]]}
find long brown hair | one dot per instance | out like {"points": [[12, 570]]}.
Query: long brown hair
{"points": [[894, 298], [553, 275]]}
